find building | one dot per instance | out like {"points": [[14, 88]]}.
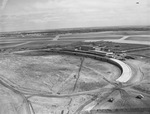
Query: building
{"points": [[85, 47]]}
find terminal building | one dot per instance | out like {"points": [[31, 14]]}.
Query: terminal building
{"points": [[85, 47]]}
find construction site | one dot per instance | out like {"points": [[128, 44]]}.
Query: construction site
{"points": [[74, 57], [79, 78]]}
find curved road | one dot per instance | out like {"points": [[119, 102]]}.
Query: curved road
{"points": [[126, 71], [125, 76]]}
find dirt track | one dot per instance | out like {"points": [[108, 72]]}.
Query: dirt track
{"points": [[48, 73]]}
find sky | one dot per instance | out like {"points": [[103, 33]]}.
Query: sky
{"points": [[19, 15]]}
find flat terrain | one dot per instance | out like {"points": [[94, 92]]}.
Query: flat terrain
{"points": [[32, 40], [89, 36], [56, 74], [47, 72], [138, 38], [42, 82], [53, 73]]}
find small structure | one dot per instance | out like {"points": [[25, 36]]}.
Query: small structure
{"points": [[111, 100], [139, 96], [110, 54], [85, 47], [99, 48], [118, 57], [103, 53]]}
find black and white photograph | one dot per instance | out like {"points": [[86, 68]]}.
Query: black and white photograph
{"points": [[74, 56]]}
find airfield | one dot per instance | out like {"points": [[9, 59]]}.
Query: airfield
{"points": [[43, 73]]}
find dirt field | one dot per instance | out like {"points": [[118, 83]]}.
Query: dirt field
{"points": [[54, 73], [45, 84], [46, 73]]}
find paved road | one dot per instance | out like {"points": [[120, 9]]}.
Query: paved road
{"points": [[123, 40], [23, 91], [56, 38], [126, 74], [124, 37]]}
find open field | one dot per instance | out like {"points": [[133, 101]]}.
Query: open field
{"points": [[15, 102], [24, 39], [32, 45], [6, 44], [89, 38], [96, 35], [143, 54], [142, 38], [43, 82], [56, 74], [53, 74], [46, 73], [41, 39], [132, 32]]}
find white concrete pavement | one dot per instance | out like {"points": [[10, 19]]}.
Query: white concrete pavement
{"points": [[56, 38], [126, 71], [124, 37]]}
